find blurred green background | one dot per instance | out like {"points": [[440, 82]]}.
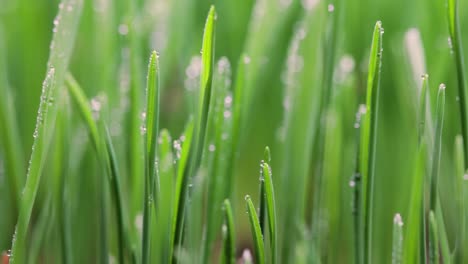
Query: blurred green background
{"points": [[263, 30]]}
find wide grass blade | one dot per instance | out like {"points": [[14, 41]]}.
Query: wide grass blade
{"points": [[201, 121], [397, 248], [63, 39], [229, 235], [457, 48], [369, 140], [151, 131], [256, 231]]}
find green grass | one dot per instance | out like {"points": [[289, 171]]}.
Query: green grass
{"points": [[115, 162]]}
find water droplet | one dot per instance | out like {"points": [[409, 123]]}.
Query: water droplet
{"points": [[309, 4], [465, 177], [246, 59], [247, 256], [228, 101], [450, 43], [123, 29], [352, 183], [178, 148], [227, 114], [442, 86], [142, 130], [61, 6], [69, 8], [331, 8], [398, 220], [211, 147], [56, 21], [143, 115]]}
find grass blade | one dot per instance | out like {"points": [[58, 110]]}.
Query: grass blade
{"points": [[201, 120], [433, 239], [60, 53], [9, 136], [397, 249], [461, 180], [457, 47], [437, 147], [151, 130], [181, 186], [106, 155], [256, 231], [369, 139], [267, 182], [229, 235]]}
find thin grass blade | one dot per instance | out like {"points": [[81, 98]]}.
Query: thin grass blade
{"points": [[267, 181], [369, 140], [229, 235], [256, 231]]}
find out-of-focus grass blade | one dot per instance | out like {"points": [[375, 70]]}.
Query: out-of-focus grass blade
{"points": [[270, 204], [369, 140], [415, 221], [357, 182], [256, 231], [437, 147], [9, 136], [201, 120], [433, 239], [442, 234], [397, 249], [415, 209], [165, 198], [460, 180], [151, 130], [457, 47], [229, 235]]}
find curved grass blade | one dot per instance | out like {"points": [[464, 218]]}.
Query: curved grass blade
{"points": [[106, 155], [433, 239], [81, 101], [457, 47], [267, 181], [229, 235], [256, 231], [397, 249], [201, 121], [369, 140], [151, 129]]}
